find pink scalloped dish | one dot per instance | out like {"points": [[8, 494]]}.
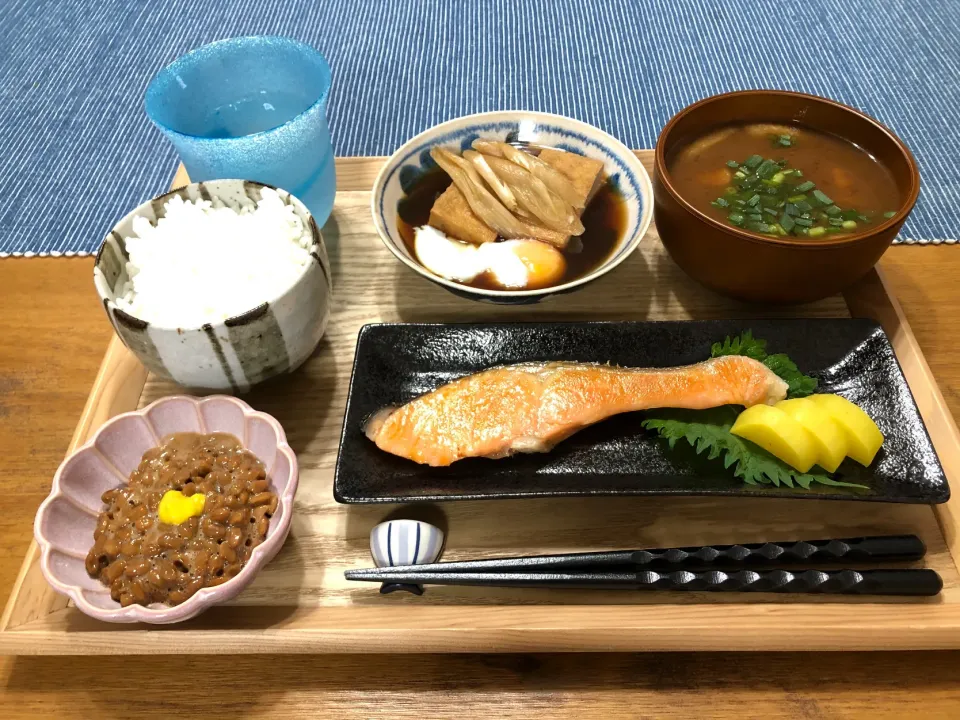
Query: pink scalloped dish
{"points": [[71, 521]]}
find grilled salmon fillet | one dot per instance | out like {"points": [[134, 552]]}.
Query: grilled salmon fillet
{"points": [[532, 407]]}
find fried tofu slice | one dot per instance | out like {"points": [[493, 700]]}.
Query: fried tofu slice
{"points": [[557, 239], [586, 174], [452, 216]]}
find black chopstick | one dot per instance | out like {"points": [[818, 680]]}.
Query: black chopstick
{"points": [[751, 555], [844, 582]]}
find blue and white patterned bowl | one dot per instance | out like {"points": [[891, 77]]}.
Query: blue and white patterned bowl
{"points": [[408, 163]]}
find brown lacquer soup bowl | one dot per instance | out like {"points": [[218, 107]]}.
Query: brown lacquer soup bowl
{"points": [[770, 267]]}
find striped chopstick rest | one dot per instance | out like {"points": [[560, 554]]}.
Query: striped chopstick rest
{"points": [[405, 542]]}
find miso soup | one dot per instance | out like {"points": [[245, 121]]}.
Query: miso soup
{"points": [[785, 180]]}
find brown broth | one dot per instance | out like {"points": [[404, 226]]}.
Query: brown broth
{"points": [[848, 174], [604, 221]]}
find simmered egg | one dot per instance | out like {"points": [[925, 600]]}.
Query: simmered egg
{"points": [[511, 264]]}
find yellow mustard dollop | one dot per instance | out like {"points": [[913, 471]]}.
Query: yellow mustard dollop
{"points": [[176, 508]]}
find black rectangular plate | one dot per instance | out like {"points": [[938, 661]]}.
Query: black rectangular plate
{"points": [[397, 362]]}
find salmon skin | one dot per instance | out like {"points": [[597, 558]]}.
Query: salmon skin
{"points": [[531, 407]]}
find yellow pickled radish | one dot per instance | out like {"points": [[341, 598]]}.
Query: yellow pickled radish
{"points": [[828, 436], [777, 433], [863, 436]]}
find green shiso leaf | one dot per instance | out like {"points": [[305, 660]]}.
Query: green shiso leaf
{"points": [[708, 433]]}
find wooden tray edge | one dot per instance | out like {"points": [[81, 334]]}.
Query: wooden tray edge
{"points": [[926, 626], [871, 297], [116, 389], [119, 384]]}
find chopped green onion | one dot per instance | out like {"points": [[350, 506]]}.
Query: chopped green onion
{"points": [[889, 214], [762, 197], [767, 169], [821, 197], [759, 226]]}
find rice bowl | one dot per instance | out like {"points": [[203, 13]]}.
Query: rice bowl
{"points": [[219, 285], [229, 258]]}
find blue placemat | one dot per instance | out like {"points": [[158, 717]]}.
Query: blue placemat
{"points": [[76, 151]]}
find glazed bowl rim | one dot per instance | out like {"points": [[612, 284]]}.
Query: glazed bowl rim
{"points": [[660, 167], [643, 180], [110, 302]]}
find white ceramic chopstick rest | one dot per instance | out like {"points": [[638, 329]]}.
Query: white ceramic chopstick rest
{"points": [[404, 542]]}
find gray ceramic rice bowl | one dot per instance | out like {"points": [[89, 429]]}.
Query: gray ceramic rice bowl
{"points": [[276, 335]]}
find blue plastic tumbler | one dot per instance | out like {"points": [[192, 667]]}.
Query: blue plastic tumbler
{"points": [[252, 108]]}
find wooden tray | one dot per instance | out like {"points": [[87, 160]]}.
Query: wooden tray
{"points": [[301, 603]]}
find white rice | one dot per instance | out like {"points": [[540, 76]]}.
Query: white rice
{"points": [[204, 262]]}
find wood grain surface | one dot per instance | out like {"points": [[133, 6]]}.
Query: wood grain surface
{"points": [[48, 361], [302, 603]]}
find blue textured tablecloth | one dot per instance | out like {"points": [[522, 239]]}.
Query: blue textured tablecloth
{"points": [[76, 151]]}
